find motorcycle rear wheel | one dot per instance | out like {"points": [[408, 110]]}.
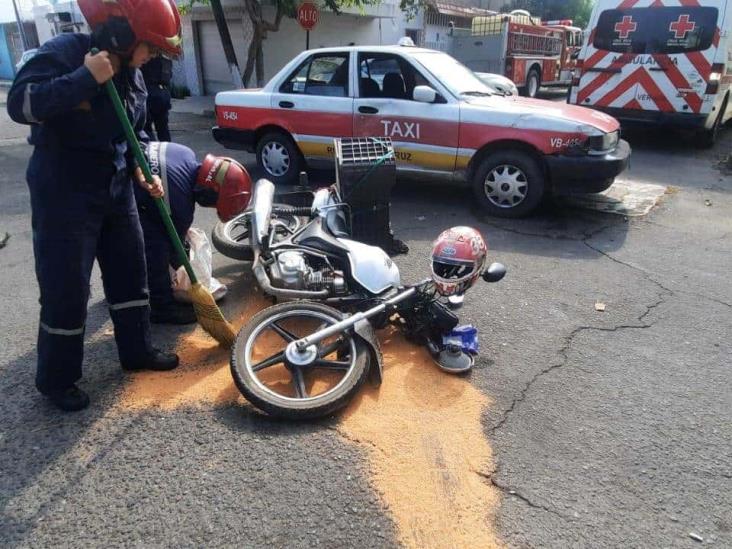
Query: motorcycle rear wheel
{"points": [[282, 389], [231, 238]]}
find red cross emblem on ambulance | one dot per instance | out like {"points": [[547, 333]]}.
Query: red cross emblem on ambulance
{"points": [[625, 27], [682, 26]]}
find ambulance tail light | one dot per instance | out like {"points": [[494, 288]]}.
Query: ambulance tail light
{"points": [[576, 79], [577, 73], [715, 77]]}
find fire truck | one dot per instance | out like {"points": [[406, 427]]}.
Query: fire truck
{"points": [[521, 47]]}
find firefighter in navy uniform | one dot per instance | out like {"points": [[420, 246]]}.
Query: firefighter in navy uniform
{"points": [[82, 202], [218, 181], [158, 73]]}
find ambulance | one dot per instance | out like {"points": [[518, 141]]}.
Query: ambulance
{"points": [[658, 62]]}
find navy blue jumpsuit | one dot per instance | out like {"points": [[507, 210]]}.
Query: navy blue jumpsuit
{"points": [[158, 73], [82, 203], [177, 167]]}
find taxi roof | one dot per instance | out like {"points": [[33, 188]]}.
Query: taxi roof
{"points": [[379, 49]]}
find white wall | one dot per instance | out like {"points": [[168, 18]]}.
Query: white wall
{"points": [[332, 30], [382, 24], [44, 28]]}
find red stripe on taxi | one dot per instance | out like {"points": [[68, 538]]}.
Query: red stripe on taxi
{"points": [[328, 124]]}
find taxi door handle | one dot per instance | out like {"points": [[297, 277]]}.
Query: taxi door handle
{"points": [[287, 104], [368, 110]]}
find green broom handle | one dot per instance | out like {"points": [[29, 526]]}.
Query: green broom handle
{"points": [[159, 202]]}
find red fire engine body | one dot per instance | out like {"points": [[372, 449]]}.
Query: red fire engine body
{"points": [[520, 47]]}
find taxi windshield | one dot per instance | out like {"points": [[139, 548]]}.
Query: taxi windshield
{"points": [[455, 76]]}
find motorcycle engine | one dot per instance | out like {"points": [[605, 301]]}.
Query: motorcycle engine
{"points": [[297, 271]]}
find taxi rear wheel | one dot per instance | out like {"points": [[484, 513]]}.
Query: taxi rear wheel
{"points": [[279, 157], [509, 184]]}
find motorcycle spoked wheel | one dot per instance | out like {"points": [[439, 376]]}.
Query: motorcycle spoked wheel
{"points": [[282, 389], [231, 238]]}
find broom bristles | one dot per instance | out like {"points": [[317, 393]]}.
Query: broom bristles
{"points": [[210, 316]]}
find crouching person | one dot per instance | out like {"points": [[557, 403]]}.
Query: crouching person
{"points": [[216, 182], [82, 202]]}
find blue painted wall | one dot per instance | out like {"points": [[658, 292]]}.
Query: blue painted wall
{"points": [[7, 67]]}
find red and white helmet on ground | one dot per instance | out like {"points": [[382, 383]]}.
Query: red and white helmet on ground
{"points": [[458, 258], [230, 180], [126, 23]]}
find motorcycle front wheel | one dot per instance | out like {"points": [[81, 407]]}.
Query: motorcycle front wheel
{"points": [[231, 238], [275, 385]]}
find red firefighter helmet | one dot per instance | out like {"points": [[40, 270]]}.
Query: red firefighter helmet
{"points": [[458, 258], [126, 23], [230, 180]]}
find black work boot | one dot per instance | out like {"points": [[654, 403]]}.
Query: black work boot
{"points": [[173, 313], [156, 360], [70, 399]]}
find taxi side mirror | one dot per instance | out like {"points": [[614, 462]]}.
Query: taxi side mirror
{"points": [[424, 94]]}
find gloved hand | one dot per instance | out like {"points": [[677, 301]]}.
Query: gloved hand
{"points": [[100, 65], [155, 190]]}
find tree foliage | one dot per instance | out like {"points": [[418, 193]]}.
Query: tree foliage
{"points": [[578, 10], [261, 26]]}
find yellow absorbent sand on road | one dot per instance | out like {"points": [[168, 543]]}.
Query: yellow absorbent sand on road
{"points": [[421, 430]]}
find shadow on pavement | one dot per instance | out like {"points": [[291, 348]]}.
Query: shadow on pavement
{"points": [[36, 437]]}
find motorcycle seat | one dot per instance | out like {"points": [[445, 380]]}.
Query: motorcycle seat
{"points": [[316, 237], [335, 222]]}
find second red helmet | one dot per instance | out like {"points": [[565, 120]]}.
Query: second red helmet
{"points": [[126, 23], [230, 180], [458, 258]]}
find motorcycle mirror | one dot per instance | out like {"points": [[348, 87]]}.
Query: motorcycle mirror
{"points": [[494, 273]]}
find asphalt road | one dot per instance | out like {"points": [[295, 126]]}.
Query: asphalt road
{"points": [[605, 429]]}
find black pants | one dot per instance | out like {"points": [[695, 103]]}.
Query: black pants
{"points": [[158, 107], [160, 255], [79, 216]]}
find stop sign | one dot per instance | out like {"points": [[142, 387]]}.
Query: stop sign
{"points": [[307, 15]]}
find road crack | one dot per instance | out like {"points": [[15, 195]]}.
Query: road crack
{"points": [[556, 237], [507, 490], [563, 352]]}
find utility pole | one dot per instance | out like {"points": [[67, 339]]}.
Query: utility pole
{"points": [[229, 52], [23, 37]]}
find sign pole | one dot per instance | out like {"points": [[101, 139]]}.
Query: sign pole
{"points": [[307, 17]]}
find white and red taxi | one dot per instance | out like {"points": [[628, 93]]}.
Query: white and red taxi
{"points": [[442, 119]]}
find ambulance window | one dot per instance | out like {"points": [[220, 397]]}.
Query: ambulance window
{"points": [[325, 74], [664, 30]]}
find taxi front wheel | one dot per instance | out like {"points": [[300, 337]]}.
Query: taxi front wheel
{"points": [[509, 184], [279, 158]]}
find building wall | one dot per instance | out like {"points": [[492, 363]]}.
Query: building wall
{"points": [[382, 24]]}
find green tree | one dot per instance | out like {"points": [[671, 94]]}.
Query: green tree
{"points": [[261, 27], [577, 10]]}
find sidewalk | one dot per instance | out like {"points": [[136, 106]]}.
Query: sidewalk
{"points": [[201, 105]]}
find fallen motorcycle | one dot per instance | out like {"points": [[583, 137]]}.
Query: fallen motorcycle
{"points": [[307, 358]]}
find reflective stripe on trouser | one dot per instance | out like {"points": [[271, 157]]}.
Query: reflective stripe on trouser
{"points": [[73, 225]]}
